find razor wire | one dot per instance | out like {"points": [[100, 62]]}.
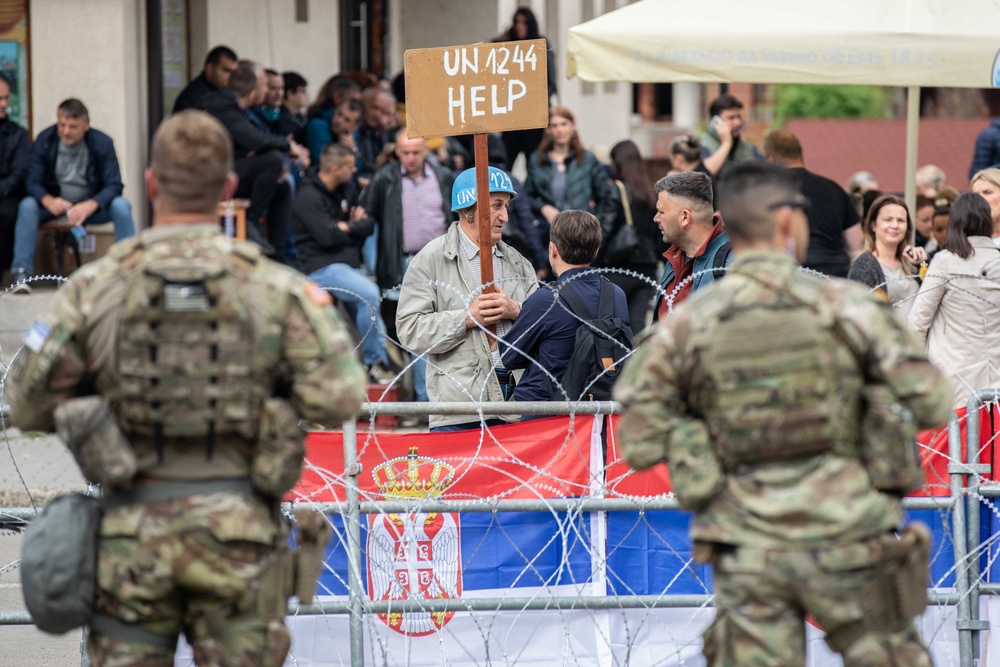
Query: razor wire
{"points": [[504, 621]]}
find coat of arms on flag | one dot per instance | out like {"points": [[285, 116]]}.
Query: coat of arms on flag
{"points": [[417, 555]]}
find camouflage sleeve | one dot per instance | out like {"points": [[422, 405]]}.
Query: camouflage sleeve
{"points": [[658, 424], [51, 365], [328, 382], [895, 358]]}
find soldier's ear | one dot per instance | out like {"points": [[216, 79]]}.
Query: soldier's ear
{"points": [[229, 189], [151, 187]]}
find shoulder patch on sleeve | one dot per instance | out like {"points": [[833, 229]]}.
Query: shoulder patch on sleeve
{"points": [[318, 295], [36, 336]]}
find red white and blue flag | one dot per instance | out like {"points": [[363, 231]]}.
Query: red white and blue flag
{"points": [[535, 555]]}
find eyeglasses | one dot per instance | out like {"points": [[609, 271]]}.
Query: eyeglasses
{"points": [[802, 203]]}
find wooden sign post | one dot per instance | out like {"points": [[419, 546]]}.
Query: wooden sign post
{"points": [[476, 89]]}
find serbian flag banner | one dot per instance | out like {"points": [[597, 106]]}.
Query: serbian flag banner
{"points": [[503, 556]]}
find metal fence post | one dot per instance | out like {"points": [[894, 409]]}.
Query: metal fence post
{"points": [[959, 537], [352, 519], [972, 502]]}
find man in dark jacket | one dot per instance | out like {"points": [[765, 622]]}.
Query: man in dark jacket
{"points": [[410, 202], [73, 171], [15, 149], [259, 156], [219, 65], [329, 230], [291, 116]]}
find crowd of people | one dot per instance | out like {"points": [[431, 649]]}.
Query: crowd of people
{"points": [[339, 191]]}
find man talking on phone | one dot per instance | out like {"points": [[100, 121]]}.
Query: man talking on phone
{"points": [[723, 143]]}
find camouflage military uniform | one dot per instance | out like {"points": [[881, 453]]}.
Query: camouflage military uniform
{"points": [[789, 535], [195, 564]]}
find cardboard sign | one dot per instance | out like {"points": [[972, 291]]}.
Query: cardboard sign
{"points": [[476, 88]]}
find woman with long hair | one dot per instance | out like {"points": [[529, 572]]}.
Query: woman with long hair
{"points": [[889, 263], [958, 306], [986, 182], [637, 208], [524, 26], [563, 175]]}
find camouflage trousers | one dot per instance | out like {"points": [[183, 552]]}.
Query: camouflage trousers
{"points": [[762, 597], [192, 565]]}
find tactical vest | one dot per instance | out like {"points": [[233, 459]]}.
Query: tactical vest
{"points": [[195, 350], [781, 384]]}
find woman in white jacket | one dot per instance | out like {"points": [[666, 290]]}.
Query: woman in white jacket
{"points": [[958, 306]]}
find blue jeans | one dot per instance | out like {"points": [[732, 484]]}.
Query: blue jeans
{"points": [[30, 214], [420, 363], [361, 296]]}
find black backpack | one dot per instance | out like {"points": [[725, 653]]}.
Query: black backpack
{"points": [[599, 350]]}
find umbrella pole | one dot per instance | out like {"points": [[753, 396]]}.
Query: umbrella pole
{"points": [[912, 127]]}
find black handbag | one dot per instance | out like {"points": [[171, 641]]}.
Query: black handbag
{"points": [[624, 245]]}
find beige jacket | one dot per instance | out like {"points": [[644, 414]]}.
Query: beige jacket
{"points": [[958, 311], [433, 302]]}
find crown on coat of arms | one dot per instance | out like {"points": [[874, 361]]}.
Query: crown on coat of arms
{"points": [[413, 476]]}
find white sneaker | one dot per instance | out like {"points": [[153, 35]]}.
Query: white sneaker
{"points": [[380, 374], [21, 285]]}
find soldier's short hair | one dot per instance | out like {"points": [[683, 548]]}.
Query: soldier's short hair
{"points": [[694, 186], [333, 155], [577, 235], [243, 80], [190, 158], [748, 192], [73, 108]]}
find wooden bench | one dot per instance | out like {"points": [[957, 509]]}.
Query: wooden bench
{"points": [[62, 234], [233, 216], [55, 237]]}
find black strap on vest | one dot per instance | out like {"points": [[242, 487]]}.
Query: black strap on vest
{"points": [[130, 632], [169, 490]]}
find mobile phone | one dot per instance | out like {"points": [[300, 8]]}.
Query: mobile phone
{"points": [[715, 122]]}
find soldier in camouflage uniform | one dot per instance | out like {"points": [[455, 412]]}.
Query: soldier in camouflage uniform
{"points": [[754, 394], [207, 355]]}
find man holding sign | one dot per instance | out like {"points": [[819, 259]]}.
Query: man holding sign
{"points": [[438, 316], [471, 89]]}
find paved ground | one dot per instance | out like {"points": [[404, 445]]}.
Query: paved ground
{"points": [[42, 464]]}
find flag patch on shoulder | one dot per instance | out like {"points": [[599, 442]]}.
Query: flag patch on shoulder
{"points": [[36, 336]]}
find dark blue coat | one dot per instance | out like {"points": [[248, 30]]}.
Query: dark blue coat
{"points": [[15, 152], [987, 151], [104, 178], [544, 334]]}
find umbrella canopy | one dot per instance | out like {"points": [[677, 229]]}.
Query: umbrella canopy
{"points": [[950, 43]]}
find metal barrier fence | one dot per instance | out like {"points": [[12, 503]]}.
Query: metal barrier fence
{"points": [[964, 531]]}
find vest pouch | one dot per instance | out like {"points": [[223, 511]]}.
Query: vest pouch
{"points": [[281, 447], [92, 434], [695, 470], [888, 442], [59, 563]]}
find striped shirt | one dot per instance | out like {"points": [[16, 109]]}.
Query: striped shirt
{"points": [[470, 250], [423, 217]]}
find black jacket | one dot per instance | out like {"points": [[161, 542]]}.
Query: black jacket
{"points": [[315, 213], [383, 199], [293, 124], [193, 93], [15, 152], [104, 176], [247, 138]]}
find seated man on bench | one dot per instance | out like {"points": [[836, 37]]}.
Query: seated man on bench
{"points": [[330, 228], [73, 172]]}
